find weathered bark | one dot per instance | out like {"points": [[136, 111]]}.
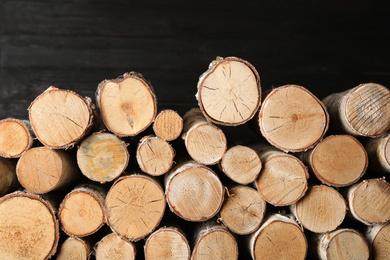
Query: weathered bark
{"points": [[168, 125], [16, 137], [113, 247]]}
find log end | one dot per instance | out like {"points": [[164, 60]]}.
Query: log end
{"points": [[168, 125], [15, 138], [113, 247]]}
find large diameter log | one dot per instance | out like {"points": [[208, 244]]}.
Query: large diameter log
{"points": [[279, 237], [16, 136], [205, 142], [113, 247], [378, 150], [102, 157], [378, 237], [28, 227], [127, 104], [229, 92], [194, 192], [361, 111], [74, 248], [292, 118], [60, 118], [135, 206], [8, 179], [168, 125]]}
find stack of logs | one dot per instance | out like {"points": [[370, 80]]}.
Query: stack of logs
{"points": [[116, 181]]}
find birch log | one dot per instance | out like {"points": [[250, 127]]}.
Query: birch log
{"points": [[168, 125], [16, 137], [74, 248], [378, 150], [378, 236], [113, 247]]}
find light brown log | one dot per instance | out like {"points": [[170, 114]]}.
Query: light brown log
{"points": [[321, 210], [60, 118], [16, 136], [378, 150], [154, 155], [167, 243], [338, 160], [194, 192], [113, 247], [205, 142], [283, 178], [82, 212], [229, 92], [28, 227], [241, 164], [102, 157], [75, 249], [292, 118], [42, 169], [279, 237], [8, 179], [168, 125], [361, 111], [243, 210], [378, 236], [369, 201], [135, 205], [127, 104]]}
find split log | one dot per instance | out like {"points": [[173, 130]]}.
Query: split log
{"points": [[193, 191], [378, 237], [28, 227], [292, 118], [113, 247], [74, 248], [167, 243], [168, 125], [154, 155], [243, 210], [8, 179], [127, 104], [102, 157], [16, 137], [60, 118], [229, 92], [321, 210], [378, 150], [205, 142], [360, 111], [135, 205]]}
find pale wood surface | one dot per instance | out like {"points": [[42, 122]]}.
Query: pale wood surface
{"points": [[168, 125], [16, 136], [379, 238], [74, 249], [113, 247]]}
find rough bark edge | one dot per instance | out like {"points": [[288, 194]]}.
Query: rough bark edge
{"points": [[29, 131], [376, 150]]}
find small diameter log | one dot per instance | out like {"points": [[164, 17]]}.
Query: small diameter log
{"points": [[113, 247], [378, 150], [338, 160], [321, 210], [241, 164], [127, 104], [74, 248], [82, 211], [102, 157], [167, 243], [362, 111], [229, 92], [279, 237], [16, 137], [205, 142], [243, 210], [378, 237], [369, 201], [42, 169], [60, 118], [292, 118], [28, 227], [135, 205], [154, 155], [194, 192], [168, 125], [283, 178], [8, 179]]}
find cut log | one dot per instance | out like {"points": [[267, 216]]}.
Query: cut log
{"points": [[243, 210], [321, 210], [279, 237], [283, 178], [292, 118], [127, 104], [28, 227], [74, 248], [338, 160], [378, 150], [168, 125], [16, 137], [102, 157], [113, 247], [60, 118], [167, 243], [135, 205], [194, 192], [229, 92], [205, 142], [241, 164], [378, 236], [154, 155], [82, 211], [42, 169], [368, 201], [360, 111], [8, 179]]}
